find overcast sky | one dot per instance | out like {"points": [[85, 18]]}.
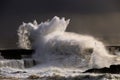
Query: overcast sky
{"points": [[10, 7], [87, 16]]}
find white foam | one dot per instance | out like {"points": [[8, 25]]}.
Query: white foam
{"points": [[56, 47], [12, 63]]}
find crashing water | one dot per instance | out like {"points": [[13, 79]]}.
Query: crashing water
{"points": [[58, 51], [12, 63], [55, 47]]}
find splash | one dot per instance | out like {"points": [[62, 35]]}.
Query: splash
{"points": [[55, 47]]}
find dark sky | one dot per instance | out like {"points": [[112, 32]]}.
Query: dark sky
{"points": [[12, 7], [87, 16]]}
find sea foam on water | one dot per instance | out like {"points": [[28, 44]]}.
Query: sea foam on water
{"points": [[56, 47]]}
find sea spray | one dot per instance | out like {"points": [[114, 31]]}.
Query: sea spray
{"points": [[23, 36], [55, 47]]}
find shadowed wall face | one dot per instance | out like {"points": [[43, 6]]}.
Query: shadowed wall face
{"points": [[100, 18]]}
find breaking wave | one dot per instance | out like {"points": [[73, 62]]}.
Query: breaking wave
{"points": [[54, 46]]}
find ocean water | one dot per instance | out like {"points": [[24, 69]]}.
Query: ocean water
{"points": [[60, 52]]}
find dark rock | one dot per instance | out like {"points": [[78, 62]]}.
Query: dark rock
{"points": [[33, 77], [19, 72], [15, 53], [114, 69]]}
